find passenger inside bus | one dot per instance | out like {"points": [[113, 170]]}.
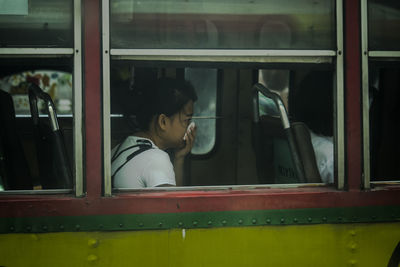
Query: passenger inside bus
{"points": [[162, 113]]}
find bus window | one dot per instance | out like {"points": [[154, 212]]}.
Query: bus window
{"points": [[35, 152], [221, 24], [381, 69], [310, 92], [239, 157], [38, 23], [384, 94]]}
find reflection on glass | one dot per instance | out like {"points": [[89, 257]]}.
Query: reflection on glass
{"points": [[57, 84], [47, 24], [384, 127], [222, 24], [384, 25], [205, 83]]}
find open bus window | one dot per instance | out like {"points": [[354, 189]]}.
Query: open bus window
{"points": [[384, 121], [38, 23], [222, 24], [244, 153], [36, 150], [311, 93]]}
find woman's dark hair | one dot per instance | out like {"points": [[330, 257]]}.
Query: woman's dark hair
{"points": [[164, 96]]}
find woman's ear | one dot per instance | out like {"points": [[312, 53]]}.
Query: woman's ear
{"points": [[163, 122]]}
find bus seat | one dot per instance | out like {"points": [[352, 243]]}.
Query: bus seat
{"points": [[54, 168], [14, 169], [284, 153], [306, 150]]}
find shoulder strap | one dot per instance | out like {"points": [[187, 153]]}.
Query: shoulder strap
{"points": [[145, 145]]}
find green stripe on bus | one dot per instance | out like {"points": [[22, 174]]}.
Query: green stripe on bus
{"points": [[199, 219]]}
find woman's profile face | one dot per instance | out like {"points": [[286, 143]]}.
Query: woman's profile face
{"points": [[179, 123]]}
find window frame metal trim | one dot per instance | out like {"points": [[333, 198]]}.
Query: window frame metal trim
{"points": [[37, 51], [340, 139], [366, 177], [106, 99], [77, 94]]}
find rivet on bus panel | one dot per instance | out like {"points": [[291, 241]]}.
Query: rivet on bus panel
{"points": [[92, 258], [353, 262], [93, 243], [353, 247]]}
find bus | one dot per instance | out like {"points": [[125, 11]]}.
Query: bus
{"points": [[296, 157]]}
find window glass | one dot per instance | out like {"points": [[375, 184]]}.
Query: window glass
{"points": [[40, 23], [384, 25], [205, 83], [222, 24], [384, 108], [35, 154]]}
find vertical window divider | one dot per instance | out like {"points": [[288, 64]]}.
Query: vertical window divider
{"points": [[106, 98], [365, 94], [340, 143], [77, 118]]}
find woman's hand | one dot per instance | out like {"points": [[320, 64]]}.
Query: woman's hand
{"points": [[180, 153]]}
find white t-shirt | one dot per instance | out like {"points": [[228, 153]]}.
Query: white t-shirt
{"points": [[323, 148], [150, 168]]}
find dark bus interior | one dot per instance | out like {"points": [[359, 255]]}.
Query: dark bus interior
{"points": [[232, 149], [31, 151]]}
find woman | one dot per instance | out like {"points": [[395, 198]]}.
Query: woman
{"points": [[163, 114]]}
